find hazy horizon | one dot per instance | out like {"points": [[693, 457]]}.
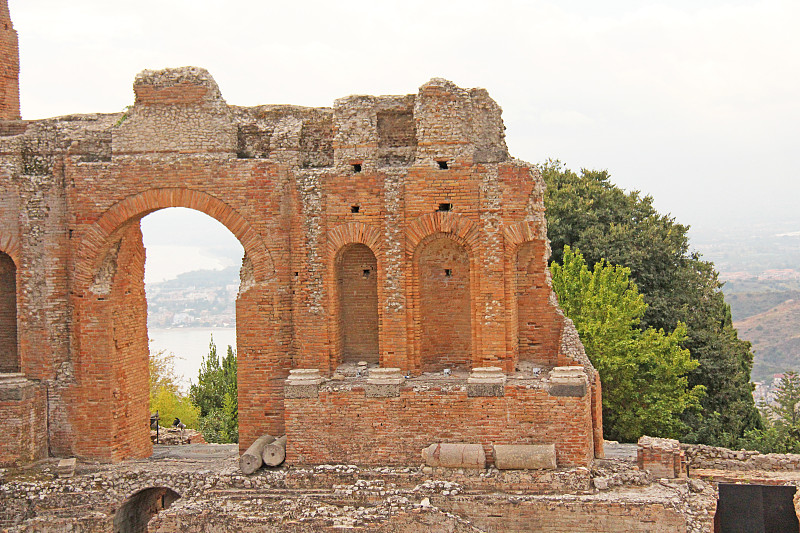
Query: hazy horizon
{"points": [[692, 103]]}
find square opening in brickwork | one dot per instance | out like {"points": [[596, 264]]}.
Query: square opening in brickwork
{"points": [[356, 167], [366, 272], [445, 207], [442, 164], [448, 272], [396, 128], [355, 208]]}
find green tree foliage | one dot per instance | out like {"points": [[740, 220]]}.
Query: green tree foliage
{"points": [[643, 372], [216, 396], [166, 396], [782, 434], [588, 212], [784, 409]]}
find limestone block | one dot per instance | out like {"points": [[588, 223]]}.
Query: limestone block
{"points": [[66, 467], [524, 456], [303, 383], [383, 383], [14, 387], [455, 455], [486, 381], [568, 381]]}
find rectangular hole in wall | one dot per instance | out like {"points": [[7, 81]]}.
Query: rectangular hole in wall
{"points": [[356, 167], [442, 165], [366, 272], [448, 272], [355, 208], [445, 207]]}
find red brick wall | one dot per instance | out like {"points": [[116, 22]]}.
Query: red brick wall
{"points": [[23, 413], [9, 66], [445, 312], [347, 427], [538, 322], [358, 303], [9, 360], [130, 393]]}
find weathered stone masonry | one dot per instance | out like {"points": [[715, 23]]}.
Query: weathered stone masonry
{"points": [[394, 230]]}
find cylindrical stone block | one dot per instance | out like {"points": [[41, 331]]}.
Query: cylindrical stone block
{"points": [[524, 456], [455, 455]]}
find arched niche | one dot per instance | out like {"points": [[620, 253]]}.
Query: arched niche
{"points": [[357, 287], [9, 352], [445, 305]]}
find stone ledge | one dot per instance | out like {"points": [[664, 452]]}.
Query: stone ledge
{"points": [[568, 381], [302, 383], [486, 381]]}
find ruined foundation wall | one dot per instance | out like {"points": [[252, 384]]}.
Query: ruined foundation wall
{"points": [[346, 425]]}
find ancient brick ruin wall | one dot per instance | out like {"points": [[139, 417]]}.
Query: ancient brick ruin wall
{"points": [[9, 66], [215, 496], [414, 180]]}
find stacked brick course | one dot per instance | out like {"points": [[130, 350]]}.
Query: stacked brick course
{"points": [[9, 66], [394, 230]]}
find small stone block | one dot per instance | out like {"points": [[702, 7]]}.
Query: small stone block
{"points": [[303, 383], [295, 392], [385, 376], [568, 381], [381, 391], [486, 381], [577, 391], [524, 456], [66, 467], [485, 389]]}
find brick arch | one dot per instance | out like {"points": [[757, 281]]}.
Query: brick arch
{"points": [[457, 227], [340, 239], [354, 233], [9, 245], [519, 233], [95, 241]]}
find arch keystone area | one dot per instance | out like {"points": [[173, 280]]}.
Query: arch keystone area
{"points": [[95, 240]]}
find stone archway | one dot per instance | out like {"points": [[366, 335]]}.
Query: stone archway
{"points": [[136, 512], [111, 328]]}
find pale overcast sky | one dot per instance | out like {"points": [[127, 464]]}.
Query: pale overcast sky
{"points": [[695, 102]]}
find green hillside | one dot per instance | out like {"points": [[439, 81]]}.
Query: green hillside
{"points": [[775, 335]]}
